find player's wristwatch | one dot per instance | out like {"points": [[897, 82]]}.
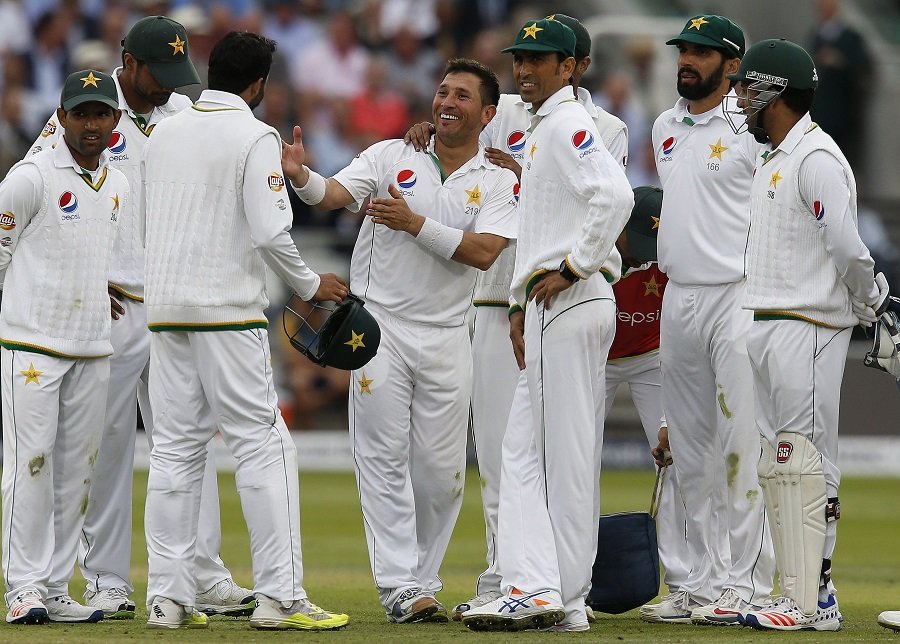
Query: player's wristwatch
{"points": [[567, 272]]}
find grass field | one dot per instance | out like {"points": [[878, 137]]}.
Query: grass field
{"points": [[866, 570]]}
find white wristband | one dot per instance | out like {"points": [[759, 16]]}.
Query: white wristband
{"points": [[314, 191], [439, 239]]}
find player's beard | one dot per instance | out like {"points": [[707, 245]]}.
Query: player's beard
{"points": [[256, 100], [702, 88]]}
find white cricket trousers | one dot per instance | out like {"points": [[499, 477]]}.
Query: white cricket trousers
{"points": [[708, 399], [51, 435], [495, 375], [104, 553], [642, 374], [550, 476], [798, 369], [409, 414], [201, 382]]}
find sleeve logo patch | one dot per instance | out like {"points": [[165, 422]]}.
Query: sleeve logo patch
{"points": [[819, 210], [49, 129], [582, 140], [7, 221], [668, 145], [276, 182], [516, 141]]}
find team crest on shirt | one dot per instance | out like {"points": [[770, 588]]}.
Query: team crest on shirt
{"points": [[406, 179], [68, 203], [49, 129], [7, 221], [516, 141], [276, 182]]}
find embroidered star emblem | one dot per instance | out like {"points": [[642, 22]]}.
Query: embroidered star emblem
{"points": [[474, 196], [90, 79], [655, 222], [651, 286], [178, 45], [533, 150], [716, 149], [697, 22], [355, 341], [775, 179], [364, 384], [115, 200], [31, 374], [531, 32]]}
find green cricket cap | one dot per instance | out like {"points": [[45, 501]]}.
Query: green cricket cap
{"points": [[87, 86], [162, 44], [643, 225], [713, 31], [545, 35], [582, 37]]}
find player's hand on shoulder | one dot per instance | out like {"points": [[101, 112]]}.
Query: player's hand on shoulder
{"points": [[504, 160], [331, 288], [419, 135]]}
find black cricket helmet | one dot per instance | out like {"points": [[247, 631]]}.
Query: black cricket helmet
{"points": [[344, 335]]}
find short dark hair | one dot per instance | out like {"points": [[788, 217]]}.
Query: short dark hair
{"points": [[489, 86], [238, 60], [798, 100]]}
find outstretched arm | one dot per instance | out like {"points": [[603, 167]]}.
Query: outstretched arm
{"points": [[312, 188]]}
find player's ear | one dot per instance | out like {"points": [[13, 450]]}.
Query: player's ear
{"points": [[117, 114], [568, 68], [61, 116], [732, 65], [487, 113]]}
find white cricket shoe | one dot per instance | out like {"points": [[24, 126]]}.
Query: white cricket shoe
{"points": [[478, 600], [725, 611], [27, 608], [674, 608], [785, 615], [164, 613], [516, 611], [226, 598], [301, 615], [889, 619], [63, 608], [113, 602], [591, 617]]}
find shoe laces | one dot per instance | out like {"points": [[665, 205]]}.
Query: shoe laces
{"points": [[63, 599], [116, 593], [29, 594], [730, 599]]}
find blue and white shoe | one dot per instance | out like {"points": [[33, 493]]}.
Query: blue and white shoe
{"points": [[516, 611], [785, 615]]}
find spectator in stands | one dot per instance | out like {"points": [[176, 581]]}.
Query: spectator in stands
{"points": [[845, 77], [378, 112]]}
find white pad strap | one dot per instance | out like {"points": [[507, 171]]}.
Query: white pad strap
{"points": [[793, 484]]}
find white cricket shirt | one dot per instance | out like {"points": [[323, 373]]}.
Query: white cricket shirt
{"points": [[706, 170], [389, 267]]}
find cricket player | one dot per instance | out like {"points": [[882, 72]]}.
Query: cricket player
{"points": [[809, 282], [59, 210], [217, 217], [496, 371], [434, 218], [707, 383], [155, 59], [634, 360], [575, 200]]}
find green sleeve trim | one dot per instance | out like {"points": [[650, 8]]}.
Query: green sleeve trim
{"points": [[496, 303], [515, 308]]}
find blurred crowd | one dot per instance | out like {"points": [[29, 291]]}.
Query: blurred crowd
{"points": [[352, 72]]}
